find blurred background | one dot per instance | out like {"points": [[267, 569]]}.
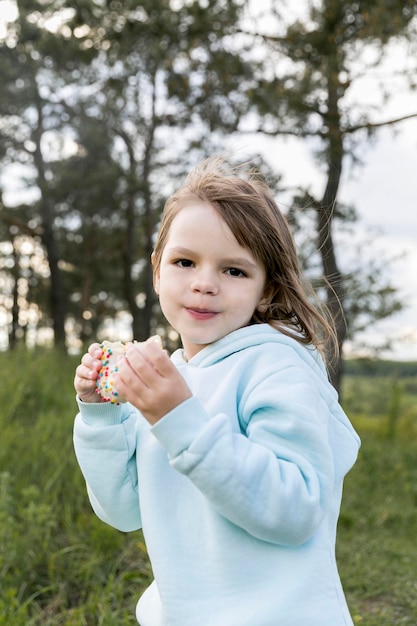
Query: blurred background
{"points": [[105, 106]]}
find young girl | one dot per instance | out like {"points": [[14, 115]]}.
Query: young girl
{"points": [[231, 454]]}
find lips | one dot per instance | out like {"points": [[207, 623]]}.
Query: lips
{"points": [[201, 314]]}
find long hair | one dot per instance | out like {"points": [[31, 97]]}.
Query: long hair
{"points": [[250, 211]]}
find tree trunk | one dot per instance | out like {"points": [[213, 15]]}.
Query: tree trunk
{"points": [[15, 306], [57, 291], [141, 317], [130, 242], [86, 293], [148, 229], [325, 211]]}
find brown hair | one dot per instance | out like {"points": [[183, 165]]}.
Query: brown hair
{"points": [[250, 211]]}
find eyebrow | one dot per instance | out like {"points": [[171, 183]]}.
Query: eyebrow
{"points": [[235, 261]]}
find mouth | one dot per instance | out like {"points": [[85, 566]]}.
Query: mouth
{"points": [[201, 314]]}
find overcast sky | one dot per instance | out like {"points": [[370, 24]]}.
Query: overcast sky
{"points": [[384, 191]]}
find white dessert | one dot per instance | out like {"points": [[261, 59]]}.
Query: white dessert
{"points": [[112, 350]]}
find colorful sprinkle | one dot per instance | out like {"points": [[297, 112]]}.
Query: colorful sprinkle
{"points": [[105, 383]]}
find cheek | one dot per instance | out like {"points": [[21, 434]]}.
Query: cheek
{"points": [[165, 287]]}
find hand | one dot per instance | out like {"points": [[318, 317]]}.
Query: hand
{"points": [[86, 375], [150, 381]]}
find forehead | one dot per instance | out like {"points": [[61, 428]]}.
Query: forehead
{"points": [[198, 219]]}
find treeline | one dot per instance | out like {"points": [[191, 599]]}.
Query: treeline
{"points": [[380, 368], [104, 106]]}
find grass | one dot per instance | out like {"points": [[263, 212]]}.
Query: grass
{"points": [[377, 550], [61, 566]]}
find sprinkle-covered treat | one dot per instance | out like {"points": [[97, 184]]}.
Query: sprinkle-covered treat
{"points": [[112, 350], [105, 381]]}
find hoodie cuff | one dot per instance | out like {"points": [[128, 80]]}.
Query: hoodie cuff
{"points": [[102, 413]]}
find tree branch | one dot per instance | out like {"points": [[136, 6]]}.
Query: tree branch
{"points": [[10, 219], [275, 133], [369, 125]]}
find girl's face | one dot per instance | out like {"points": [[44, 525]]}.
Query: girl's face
{"points": [[208, 284]]}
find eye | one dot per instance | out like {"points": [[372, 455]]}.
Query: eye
{"points": [[234, 271], [184, 263]]}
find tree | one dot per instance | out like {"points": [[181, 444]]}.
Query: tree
{"points": [[310, 65], [23, 274], [161, 75], [30, 56], [113, 101]]}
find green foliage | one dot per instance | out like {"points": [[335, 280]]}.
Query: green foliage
{"points": [[388, 402], [61, 566], [376, 368], [376, 542]]}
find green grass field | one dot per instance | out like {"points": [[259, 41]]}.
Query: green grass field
{"points": [[61, 566]]}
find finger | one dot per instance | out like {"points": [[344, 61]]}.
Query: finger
{"points": [[131, 368], [154, 355], [159, 358], [84, 384], [95, 350], [88, 372], [91, 362], [142, 365]]}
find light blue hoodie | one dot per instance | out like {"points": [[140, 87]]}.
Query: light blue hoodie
{"points": [[238, 489]]}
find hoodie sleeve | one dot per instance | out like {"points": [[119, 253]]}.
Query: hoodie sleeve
{"points": [[105, 447], [276, 479]]}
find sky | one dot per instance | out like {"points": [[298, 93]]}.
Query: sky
{"points": [[383, 189], [385, 193]]}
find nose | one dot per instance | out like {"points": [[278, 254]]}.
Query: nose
{"points": [[204, 281]]}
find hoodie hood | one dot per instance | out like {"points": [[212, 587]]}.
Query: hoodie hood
{"points": [[248, 337]]}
